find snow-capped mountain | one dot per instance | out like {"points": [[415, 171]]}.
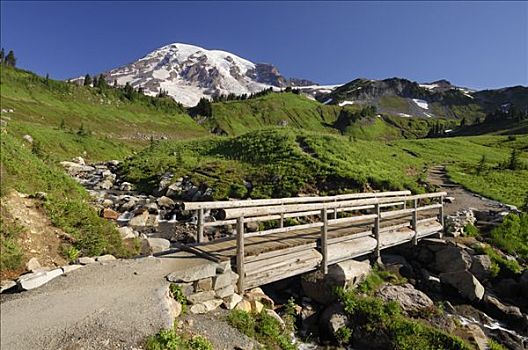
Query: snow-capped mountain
{"points": [[188, 73]]}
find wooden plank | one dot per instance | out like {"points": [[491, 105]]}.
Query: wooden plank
{"points": [[290, 200], [377, 231], [240, 254], [324, 241], [200, 228]]}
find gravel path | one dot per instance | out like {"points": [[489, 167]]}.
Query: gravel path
{"points": [[463, 198], [113, 305]]}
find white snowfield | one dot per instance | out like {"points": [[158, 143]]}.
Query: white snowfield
{"points": [[189, 72], [429, 86], [344, 103], [421, 103]]}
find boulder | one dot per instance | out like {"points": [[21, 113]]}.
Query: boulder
{"points": [[410, 299], [75, 169], [397, 264], [36, 279], [127, 232], [204, 284], [139, 220], [201, 297], [225, 292], [321, 288], [165, 202], [6, 285], [107, 203], [85, 260], [224, 280], [206, 306], [231, 301], [70, 268], [244, 305], [195, 273], [110, 214], [477, 336], [104, 185], [466, 284], [257, 294], [452, 259], [158, 244], [332, 319], [481, 266], [33, 265], [511, 314], [105, 258], [79, 160], [126, 186]]}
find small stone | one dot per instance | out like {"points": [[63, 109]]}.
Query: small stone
{"points": [[28, 138], [110, 214], [231, 301], [70, 268], [225, 292], [165, 202], [105, 258], [201, 297], [206, 306], [139, 220], [204, 284], [79, 160], [126, 232], [85, 260], [33, 265], [126, 186], [6, 285], [107, 203], [256, 306]]}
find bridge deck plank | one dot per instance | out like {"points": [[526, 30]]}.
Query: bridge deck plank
{"points": [[226, 250]]}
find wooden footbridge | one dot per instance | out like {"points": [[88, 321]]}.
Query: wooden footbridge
{"points": [[303, 234]]}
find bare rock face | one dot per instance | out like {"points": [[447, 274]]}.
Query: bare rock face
{"points": [[452, 259], [411, 300], [481, 266], [466, 284]]}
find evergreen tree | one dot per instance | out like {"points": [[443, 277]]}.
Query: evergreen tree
{"points": [[115, 83], [87, 80], [94, 81], [47, 79], [10, 59], [2, 56], [514, 162], [101, 82], [481, 165], [203, 108]]}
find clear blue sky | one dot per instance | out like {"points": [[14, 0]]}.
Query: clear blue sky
{"points": [[474, 44]]}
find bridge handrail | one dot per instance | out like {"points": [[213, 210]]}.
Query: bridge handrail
{"points": [[290, 200]]}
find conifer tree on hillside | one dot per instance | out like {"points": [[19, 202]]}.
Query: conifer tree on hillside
{"points": [[10, 59], [94, 81], [87, 80], [2, 55]]}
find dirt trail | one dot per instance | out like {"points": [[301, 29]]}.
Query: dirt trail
{"points": [[463, 198], [114, 305]]}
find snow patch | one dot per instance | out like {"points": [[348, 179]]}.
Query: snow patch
{"points": [[429, 86], [344, 103], [405, 115], [421, 103]]}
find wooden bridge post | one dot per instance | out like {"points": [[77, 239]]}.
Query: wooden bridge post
{"points": [[281, 221], [414, 221], [377, 220], [324, 240], [441, 218], [240, 254], [200, 227], [335, 208]]}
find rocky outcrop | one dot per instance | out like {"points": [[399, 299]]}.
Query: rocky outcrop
{"points": [[410, 299], [465, 283], [321, 288]]}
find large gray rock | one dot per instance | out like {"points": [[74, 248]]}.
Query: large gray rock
{"points": [[105, 258], [481, 266], [226, 279], [158, 244], [193, 274], [321, 288], [86, 260], [411, 300], [452, 259], [36, 279], [332, 319], [201, 297], [127, 232], [139, 220], [466, 284], [165, 202], [505, 312]]}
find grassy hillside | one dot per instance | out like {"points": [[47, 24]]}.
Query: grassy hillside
{"points": [[285, 162], [68, 119], [66, 204]]}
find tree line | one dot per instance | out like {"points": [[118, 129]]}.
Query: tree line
{"points": [[9, 59]]}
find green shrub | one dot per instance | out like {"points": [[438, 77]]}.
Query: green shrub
{"points": [[512, 235], [263, 327], [471, 230], [11, 255], [493, 345], [343, 335], [169, 339], [178, 295]]}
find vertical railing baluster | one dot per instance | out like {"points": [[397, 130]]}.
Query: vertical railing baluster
{"points": [[324, 240], [335, 208], [200, 228], [441, 218], [377, 222], [414, 222], [240, 254]]}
